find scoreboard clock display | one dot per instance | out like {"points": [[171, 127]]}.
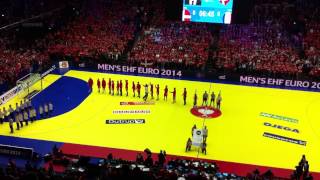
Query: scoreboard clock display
{"points": [[209, 11]]}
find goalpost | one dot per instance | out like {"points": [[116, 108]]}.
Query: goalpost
{"points": [[30, 85]]}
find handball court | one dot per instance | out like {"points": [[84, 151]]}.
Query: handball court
{"points": [[258, 128]]}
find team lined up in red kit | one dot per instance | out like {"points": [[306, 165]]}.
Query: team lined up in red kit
{"points": [[136, 90]]}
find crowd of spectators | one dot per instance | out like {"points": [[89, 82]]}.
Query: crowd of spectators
{"points": [[16, 62], [107, 31], [254, 48], [143, 168], [173, 42], [312, 48], [282, 38]]}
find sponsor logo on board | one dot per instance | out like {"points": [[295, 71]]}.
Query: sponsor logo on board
{"points": [[282, 118], [125, 121], [131, 111], [281, 127], [285, 139], [137, 103]]}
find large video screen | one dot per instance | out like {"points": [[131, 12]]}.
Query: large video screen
{"points": [[209, 11]]}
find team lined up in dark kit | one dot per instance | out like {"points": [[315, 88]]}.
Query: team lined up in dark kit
{"points": [[136, 89], [24, 113]]}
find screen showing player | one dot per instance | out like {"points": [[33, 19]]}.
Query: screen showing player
{"points": [[209, 11]]}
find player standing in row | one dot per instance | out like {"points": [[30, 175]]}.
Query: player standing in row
{"points": [[46, 109], [90, 84], [20, 119], [21, 106], [17, 107], [98, 85], [138, 89], [127, 87], [151, 90], [41, 111], [11, 112], [112, 88], [17, 120], [120, 86], [33, 114], [213, 97], [219, 99], [104, 85], [158, 91], [133, 89], [184, 95], [195, 99], [26, 117], [205, 98], [11, 125], [174, 94], [165, 94], [50, 108], [109, 85], [1, 117], [146, 89]]}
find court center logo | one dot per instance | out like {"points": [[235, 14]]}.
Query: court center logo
{"points": [[205, 112]]}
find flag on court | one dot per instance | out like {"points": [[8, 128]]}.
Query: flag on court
{"points": [[197, 137]]}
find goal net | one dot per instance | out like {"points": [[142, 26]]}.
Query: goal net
{"points": [[30, 85]]}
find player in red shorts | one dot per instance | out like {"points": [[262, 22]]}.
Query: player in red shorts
{"points": [[99, 85], [165, 94], [127, 87], [138, 89], [184, 95], [133, 89], [90, 84], [158, 91], [109, 85], [112, 87], [120, 87], [104, 85], [174, 93], [151, 90]]}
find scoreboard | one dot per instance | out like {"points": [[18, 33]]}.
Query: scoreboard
{"points": [[209, 11]]}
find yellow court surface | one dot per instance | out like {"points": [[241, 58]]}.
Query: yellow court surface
{"points": [[244, 133]]}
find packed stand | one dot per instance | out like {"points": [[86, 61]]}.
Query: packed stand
{"points": [[16, 62], [269, 45], [21, 54], [174, 42], [251, 48], [312, 49], [311, 45], [105, 33]]}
